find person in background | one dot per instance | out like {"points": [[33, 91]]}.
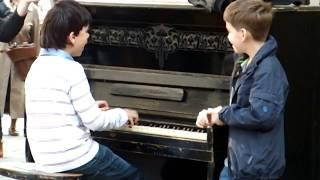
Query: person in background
{"points": [[11, 76], [255, 115], [10, 25], [60, 108], [44, 6], [4, 10]]}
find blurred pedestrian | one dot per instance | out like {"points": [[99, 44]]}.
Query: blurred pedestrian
{"points": [[10, 25]]}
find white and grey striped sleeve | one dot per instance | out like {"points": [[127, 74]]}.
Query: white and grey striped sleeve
{"points": [[87, 109]]}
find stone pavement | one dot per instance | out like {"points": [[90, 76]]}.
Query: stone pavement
{"points": [[13, 146]]}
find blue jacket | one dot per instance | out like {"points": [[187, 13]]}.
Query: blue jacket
{"points": [[255, 118]]}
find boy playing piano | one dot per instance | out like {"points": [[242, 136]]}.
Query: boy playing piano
{"points": [[60, 108]]}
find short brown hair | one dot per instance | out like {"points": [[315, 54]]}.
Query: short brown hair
{"points": [[253, 15]]}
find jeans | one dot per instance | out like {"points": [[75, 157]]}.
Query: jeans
{"points": [[107, 165], [225, 174]]}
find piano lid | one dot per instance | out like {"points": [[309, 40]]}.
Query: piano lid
{"points": [[168, 4]]}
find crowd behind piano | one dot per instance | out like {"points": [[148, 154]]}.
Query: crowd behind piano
{"points": [[61, 110]]}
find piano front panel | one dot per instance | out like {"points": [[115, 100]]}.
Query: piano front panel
{"points": [[156, 145], [154, 93]]}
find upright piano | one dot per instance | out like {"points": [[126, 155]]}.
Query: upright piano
{"points": [[167, 59]]}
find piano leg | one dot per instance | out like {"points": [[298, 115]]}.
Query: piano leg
{"points": [[211, 165], [210, 171]]}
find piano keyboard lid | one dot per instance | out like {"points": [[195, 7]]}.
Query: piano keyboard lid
{"points": [[171, 4]]}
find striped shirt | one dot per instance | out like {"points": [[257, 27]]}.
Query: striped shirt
{"points": [[61, 112]]}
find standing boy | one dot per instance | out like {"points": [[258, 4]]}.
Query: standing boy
{"points": [[60, 108], [258, 95]]}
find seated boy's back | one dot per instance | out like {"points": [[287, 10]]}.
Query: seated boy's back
{"points": [[60, 108]]}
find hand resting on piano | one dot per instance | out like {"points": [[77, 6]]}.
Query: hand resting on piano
{"points": [[209, 117]]}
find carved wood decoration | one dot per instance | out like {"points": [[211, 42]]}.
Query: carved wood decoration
{"points": [[160, 40]]}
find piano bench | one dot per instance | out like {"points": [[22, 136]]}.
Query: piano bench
{"points": [[24, 170]]}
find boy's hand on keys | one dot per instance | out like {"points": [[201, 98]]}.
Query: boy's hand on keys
{"points": [[133, 117]]}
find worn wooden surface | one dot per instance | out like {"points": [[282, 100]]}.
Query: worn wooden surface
{"points": [[22, 170], [147, 91], [148, 76], [173, 94]]}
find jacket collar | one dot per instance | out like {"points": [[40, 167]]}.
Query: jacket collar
{"points": [[269, 48]]}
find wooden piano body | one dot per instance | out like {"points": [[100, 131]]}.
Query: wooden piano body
{"points": [[161, 45], [167, 123], [166, 61]]}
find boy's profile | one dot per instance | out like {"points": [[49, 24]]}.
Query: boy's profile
{"points": [[257, 99], [60, 108]]}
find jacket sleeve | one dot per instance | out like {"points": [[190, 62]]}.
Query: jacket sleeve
{"points": [[10, 26], [4, 10], [266, 103]]}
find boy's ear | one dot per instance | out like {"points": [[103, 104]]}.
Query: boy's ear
{"points": [[71, 38], [244, 34]]}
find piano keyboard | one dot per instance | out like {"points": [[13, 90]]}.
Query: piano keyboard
{"points": [[185, 133]]}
